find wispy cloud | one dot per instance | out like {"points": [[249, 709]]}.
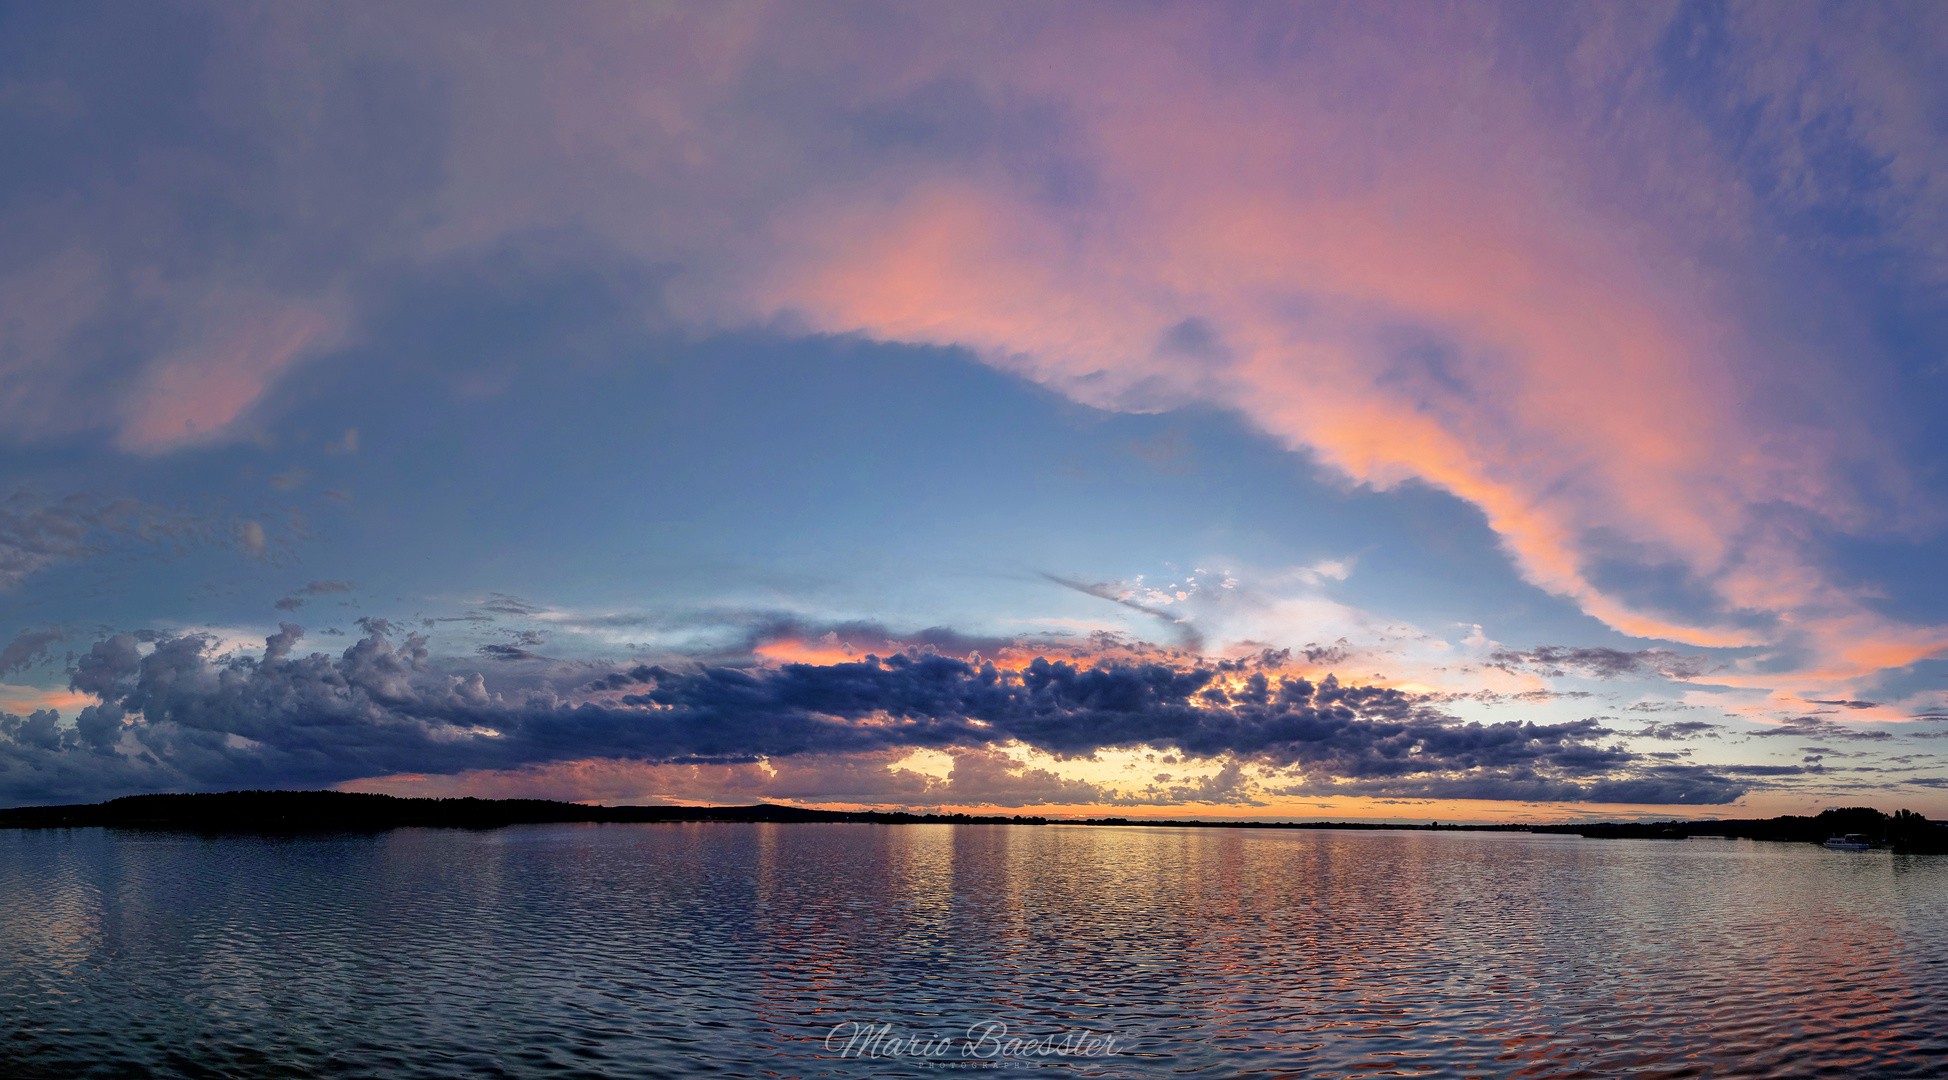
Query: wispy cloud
{"points": [[1119, 593], [295, 598], [38, 532]]}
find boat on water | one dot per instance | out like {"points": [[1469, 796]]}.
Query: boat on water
{"points": [[1852, 841]]}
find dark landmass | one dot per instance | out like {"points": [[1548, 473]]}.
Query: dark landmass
{"points": [[1903, 830], [339, 811]]}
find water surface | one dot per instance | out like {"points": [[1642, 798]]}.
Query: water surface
{"points": [[738, 950]]}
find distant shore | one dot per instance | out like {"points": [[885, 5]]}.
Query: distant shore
{"points": [[295, 811], [339, 811]]}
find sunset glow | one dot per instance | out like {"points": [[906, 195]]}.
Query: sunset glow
{"points": [[1459, 412]]}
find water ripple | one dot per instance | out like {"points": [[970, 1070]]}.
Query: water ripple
{"points": [[735, 950]]}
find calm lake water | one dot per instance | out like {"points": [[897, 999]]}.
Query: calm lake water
{"points": [[739, 950]]}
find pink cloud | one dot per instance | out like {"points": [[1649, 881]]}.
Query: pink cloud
{"points": [[1444, 245], [195, 393], [1397, 238], [1594, 388]]}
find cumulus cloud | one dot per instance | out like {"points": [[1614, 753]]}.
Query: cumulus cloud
{"points": [[1068, 709], [172, 715]]}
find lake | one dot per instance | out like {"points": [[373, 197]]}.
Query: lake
{"points": [[871, 950]]}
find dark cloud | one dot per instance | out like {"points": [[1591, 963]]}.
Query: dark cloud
{"points": [[1683, 729], [172, 715], [620, 621], [1556, 661], [517, 647], [29, 647], [295, 600], [1336, 653], [1493, 697], [1844, 703], [1812, 727], [1657, 785], [1067, 709], [280, 644]]}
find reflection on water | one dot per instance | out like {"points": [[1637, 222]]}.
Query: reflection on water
{"points": [[734, 950]]}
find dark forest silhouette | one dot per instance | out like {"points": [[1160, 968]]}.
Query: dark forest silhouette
{"points": [[311, 811], [280, 811]]}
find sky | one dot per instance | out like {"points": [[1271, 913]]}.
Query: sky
{"points": [[1374, 411]]}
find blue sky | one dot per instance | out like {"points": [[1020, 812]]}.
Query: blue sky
{"points": [[1561, 385]]}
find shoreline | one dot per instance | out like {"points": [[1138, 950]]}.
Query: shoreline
{"points": [[338, 811]]}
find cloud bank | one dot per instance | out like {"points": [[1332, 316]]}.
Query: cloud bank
{"points": [[172, 715]]}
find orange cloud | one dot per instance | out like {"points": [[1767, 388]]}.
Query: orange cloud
{"points": [[793, 651], [27, 699]]}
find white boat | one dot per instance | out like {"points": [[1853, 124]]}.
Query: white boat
{"points": [[1852, 841]]}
